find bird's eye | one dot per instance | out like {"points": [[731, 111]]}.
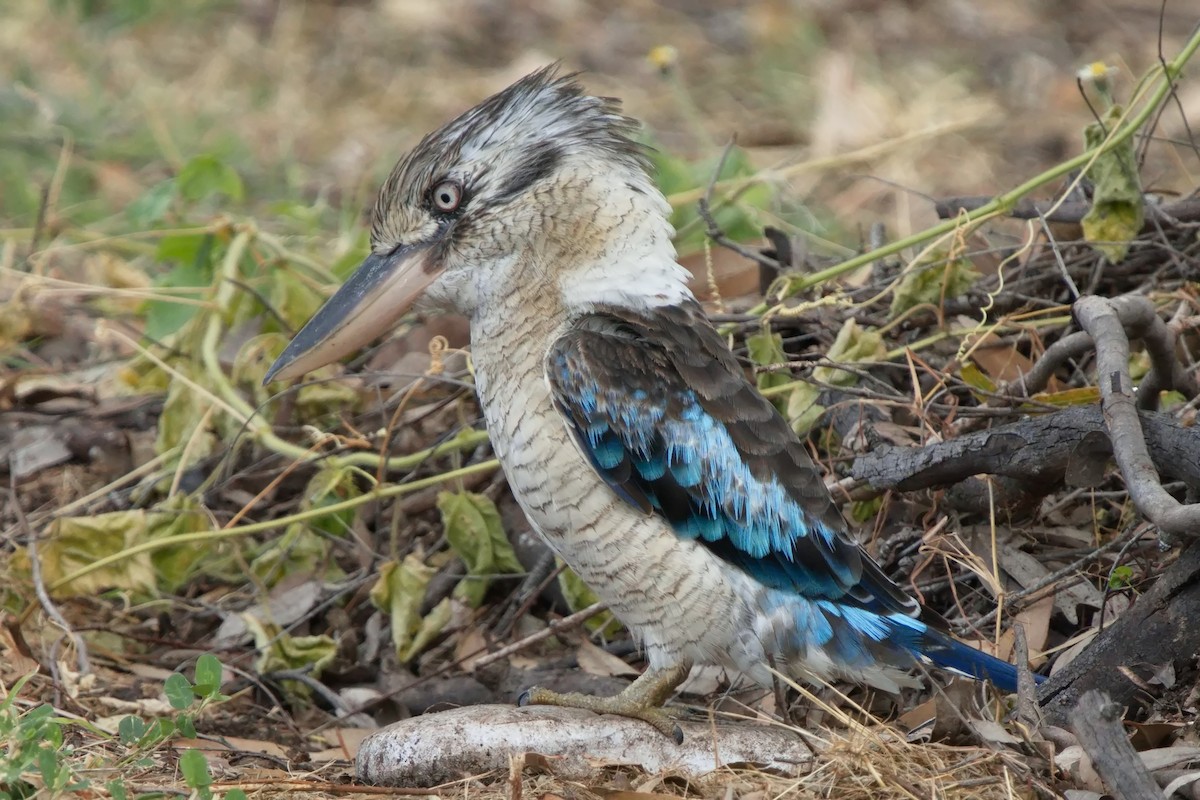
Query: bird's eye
{"points": [[447, 196]]}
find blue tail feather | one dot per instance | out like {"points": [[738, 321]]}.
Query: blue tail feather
{"points": [[949, 653]]}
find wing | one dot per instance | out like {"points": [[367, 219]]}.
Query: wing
{"points": [[664, 412]]}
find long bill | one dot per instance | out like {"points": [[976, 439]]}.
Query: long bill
{"points": [[369, 303]]}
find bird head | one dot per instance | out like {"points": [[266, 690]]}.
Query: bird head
{"points": [[539, 192]]}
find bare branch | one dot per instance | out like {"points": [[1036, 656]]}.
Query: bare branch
{"points": [[1106, 321]]}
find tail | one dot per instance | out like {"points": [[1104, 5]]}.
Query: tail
{"points": [[946, 652]]}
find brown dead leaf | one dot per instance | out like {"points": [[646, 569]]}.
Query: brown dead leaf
{"points": [[470, 647], [13, 655], [596, 661], [1149, 735], [620, 794], [917, 717], [992, 732], [1028, 571], [231, 744], [1076, 645], [1035, 619], [345, 743], [1001, 361]]}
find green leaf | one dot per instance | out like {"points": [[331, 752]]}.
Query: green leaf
{"points": [[48, 766], [194, 767], [579, 596], [186, 726], [151, 208], [280, 651], [206, 176], [475, 533], [853, 344], [160, 730], [737, 216], [116, 789], [399, 593], [193, 253], [766, 348], [864, 510], [130, 730], [1120, 577], [330, 486], [179, 692], [1117, 212], [930, 282], [208, 676], [194, 256]]}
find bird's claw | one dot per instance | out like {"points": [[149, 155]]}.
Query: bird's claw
{"points": [[661, 719]]}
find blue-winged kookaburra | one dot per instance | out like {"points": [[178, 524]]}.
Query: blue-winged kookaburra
{"points": [[628, 432]]}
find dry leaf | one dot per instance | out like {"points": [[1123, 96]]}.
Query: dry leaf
{"points": [[596, 661]]}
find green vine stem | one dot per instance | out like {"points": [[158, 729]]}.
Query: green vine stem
{"points": [[380, 493], [261, 429], [1167, 73]]}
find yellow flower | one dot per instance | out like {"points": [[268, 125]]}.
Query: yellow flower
{"points": [[664, 57]]}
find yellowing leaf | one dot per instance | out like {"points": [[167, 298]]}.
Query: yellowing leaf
{"points": [[279, 651], [802, 409], [78, 542], [766, 348], [476, 535], [930, 282], [399, 592], [175, 565], [579, 596], [1117, 213], [318, 398], [974, 377], [853, 344], [1083, 396], [299, 551], [183, 411]]}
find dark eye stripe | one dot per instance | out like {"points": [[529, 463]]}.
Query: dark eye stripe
{"points": [[533, 169]]}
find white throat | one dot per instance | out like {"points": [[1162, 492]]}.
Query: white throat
{"points": [[634, 266]]}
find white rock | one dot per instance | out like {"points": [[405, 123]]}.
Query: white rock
{"points": [[435, 748]]}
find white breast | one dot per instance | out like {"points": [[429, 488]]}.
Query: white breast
{"points": [[678, 598]]}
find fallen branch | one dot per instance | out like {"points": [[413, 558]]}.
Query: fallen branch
{"points": [[1107, 322], [1096, 720], [1140, 321], [1042, 452], [1159, 628]]}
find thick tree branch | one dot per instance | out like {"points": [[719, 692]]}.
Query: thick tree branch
{"points": [[1096, 720], [1107, 321], [1042, 452]]}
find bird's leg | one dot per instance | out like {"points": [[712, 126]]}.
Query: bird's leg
{"points": [[643, 699]]}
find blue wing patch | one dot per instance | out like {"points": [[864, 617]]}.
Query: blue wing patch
{"points": [[662, 410], [655, 443]]}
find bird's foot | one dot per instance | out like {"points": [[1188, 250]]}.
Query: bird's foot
{"points": [[643, 699]]}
